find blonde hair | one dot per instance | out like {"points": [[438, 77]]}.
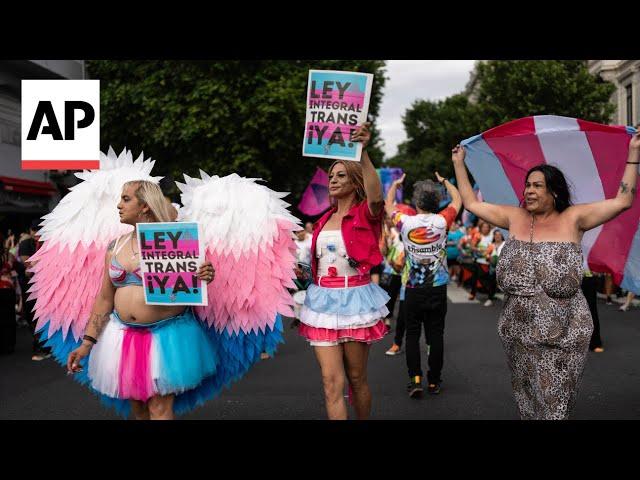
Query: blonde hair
{"points": [[354, 172], [150, 194]]}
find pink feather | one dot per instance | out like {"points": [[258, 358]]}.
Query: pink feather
{"points": [[250, 301], [65, 299]]}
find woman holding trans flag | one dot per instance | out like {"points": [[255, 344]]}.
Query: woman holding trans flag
{"points": [[344, 311], [545, 325]]}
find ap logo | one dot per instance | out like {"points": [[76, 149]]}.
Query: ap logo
{"points": [[60, 124]]}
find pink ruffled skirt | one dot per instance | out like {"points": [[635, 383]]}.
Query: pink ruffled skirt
{"points": [[331, 316]]}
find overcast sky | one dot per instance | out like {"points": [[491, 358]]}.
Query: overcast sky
{"points": [[408, 80]]}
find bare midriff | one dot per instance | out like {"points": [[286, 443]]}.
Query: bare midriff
{"points": [[129, 303]]}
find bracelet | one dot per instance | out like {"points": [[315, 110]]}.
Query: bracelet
{"points": [[633, 163], [91, 339]]}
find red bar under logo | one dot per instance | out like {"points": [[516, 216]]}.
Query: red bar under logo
{"points": [[60, 164]]}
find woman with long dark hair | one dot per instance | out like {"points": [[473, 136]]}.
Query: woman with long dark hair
{"points": [[545, 325]]}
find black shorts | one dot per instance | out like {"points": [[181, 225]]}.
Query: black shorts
{"points": [[377, 269]]}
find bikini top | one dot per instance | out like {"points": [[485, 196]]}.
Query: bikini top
{"points": [[120, 277]]}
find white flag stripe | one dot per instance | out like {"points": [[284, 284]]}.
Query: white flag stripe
{"points": [[552, 123], [572, 154]]}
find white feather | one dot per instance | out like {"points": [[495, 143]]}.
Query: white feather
{"points": [[88, 213], [238, 214]]}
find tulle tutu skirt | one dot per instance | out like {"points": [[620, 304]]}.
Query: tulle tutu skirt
{"points": [[137, 362], [331, 316]]}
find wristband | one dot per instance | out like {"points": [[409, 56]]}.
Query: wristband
{"points": [[91, 339], [633, 163]]}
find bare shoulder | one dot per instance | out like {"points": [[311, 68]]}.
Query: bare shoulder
{"points": [[573, 212], [515, 214], [112, 243]]}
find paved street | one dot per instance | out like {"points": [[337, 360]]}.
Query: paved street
{"points": [[476, 381]]}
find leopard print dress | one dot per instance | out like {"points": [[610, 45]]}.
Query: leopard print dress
{"points": [[545, 325]]}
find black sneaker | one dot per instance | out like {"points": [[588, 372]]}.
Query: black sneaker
{"points": [[433, 388], [415, 387]]}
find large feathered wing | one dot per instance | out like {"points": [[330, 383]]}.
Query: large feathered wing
{"points": [[68, 268], [248, 239]]}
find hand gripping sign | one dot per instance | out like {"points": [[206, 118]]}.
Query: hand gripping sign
{"points": [[337, 103], [170, 255]]}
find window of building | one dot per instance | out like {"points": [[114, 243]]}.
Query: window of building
{"points": [[629, 104]]}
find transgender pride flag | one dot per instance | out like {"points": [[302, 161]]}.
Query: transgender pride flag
{"points": [[592, 157]]}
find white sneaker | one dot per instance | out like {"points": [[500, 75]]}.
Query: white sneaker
{"points": [[488, 303], [624, 308], [394, 350]]}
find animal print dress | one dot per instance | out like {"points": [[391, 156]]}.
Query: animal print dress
{"points": [[545, 325]]}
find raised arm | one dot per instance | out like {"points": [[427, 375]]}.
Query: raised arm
{"points": [[390, 204], [372, 184], [98, 318], [590, 215], [456, 199], [498, 215]]}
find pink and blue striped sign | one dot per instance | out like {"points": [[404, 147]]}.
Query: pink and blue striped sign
{"points": [[592, 157], [337, 103], [170, 255]]}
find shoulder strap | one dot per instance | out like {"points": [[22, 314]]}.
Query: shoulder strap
{"points": [[118, 249], [115, 245]]}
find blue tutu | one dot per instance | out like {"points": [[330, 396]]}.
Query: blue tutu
{"points": [[361, 300]]}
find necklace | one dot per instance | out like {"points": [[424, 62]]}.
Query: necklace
{"points": [[533, 217], [133, 253]]}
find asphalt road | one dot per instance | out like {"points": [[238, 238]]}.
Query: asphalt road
{"points": [[476, 383]]}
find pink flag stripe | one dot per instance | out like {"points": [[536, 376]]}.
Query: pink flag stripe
{"points": [[612, 247], [517, 155], [523, 126]]}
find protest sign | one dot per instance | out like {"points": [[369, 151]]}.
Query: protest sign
{"points": [[337, 103], [170, 255]]}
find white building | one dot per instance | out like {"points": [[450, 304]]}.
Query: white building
{"points": [[25, 194], [625, 75]]}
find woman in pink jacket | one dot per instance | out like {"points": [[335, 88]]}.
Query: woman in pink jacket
{"points": [[343, 311]]}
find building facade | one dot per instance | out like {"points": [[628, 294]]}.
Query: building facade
{"points": [[26, 194], [625, 75]]}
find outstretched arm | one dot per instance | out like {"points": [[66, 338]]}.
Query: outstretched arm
{"points": [[98, 318], [498, 215], [372, 184], [590, 215]]}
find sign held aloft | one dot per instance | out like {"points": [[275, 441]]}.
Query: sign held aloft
{"points": [[337, 104]]}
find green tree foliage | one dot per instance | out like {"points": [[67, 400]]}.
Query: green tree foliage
{"points": [[504, 91], [225, 116]]}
